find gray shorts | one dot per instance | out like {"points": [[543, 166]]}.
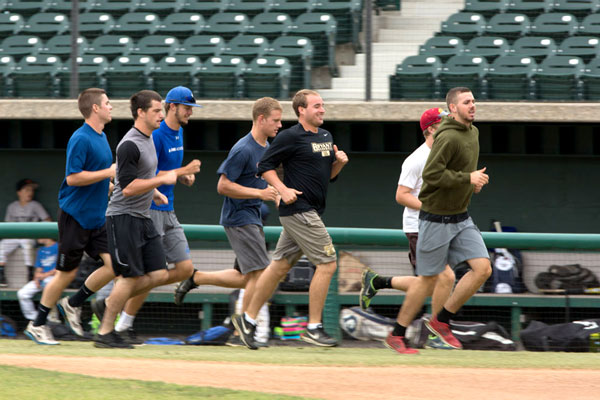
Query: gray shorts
{"points": [[173, 239], [248, 243], [440, 244], [304, 233]]}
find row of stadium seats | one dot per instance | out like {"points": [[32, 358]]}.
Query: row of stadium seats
{"points": [[166, 7], [514, 25], [301, 49], [509, 77], [217, 77], [532, 7], [490, 47]]}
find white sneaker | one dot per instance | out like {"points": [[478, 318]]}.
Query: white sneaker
{"points": [[40, 334], [54, 317], [71, 314]]}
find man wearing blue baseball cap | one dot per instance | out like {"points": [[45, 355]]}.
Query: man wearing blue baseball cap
{"points": [[168, 141]]}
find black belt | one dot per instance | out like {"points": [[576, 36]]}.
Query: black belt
{"points": [[443, 219]]}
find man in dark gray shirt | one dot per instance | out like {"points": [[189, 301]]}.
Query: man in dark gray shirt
{"points": [[134, 244]]}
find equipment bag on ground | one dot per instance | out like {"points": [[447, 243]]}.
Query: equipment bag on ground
{"points": [[570, 336], [365, 325]]}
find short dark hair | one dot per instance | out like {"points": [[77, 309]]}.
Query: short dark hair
{"points": [[264, 106], [143, 99], [299, 99], [87, 99], [452, 95]]}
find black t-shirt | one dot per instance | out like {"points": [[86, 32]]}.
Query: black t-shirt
{"points": [[306, 159]]}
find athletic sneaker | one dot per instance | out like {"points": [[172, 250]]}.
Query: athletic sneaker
{"points": [[111, 340], [40, 334], [397, 343], [131, 337], [367, 291], [183, 288], [234, 341], [443, 331], [98, 307], [434, 342], [245, 329], [72, 315], [318, 337]]}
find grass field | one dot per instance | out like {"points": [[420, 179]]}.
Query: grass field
{"points": [[17, 382]]}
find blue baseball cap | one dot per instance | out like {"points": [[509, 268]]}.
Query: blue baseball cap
{"points": [[181, 95]]}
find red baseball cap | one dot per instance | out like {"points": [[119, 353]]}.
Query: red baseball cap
{"points": [[431, 116]]}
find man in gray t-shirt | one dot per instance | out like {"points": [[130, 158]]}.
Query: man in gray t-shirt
{"points": [[25, 209]]}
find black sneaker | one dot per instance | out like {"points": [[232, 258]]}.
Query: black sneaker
{"points": [[111, 340], [98, 307], [183, 288], [318, 337], [234, 341], [131, 337], [245, 329]]}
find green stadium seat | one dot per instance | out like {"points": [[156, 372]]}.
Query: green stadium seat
{"points": [[585, 47], [60, 46], [555, 25], [26, 8], [202, 46], [116, 8], [510, 25], [416, 78], [246, 46], [347, 14], [465, 70], [271, 25], [182, 25], [94, 24], [510, 78], [534, 46], [220, 77], [111, 46], [46, 25], [161, 8], [464, 25], [321, 30], [7, 65], [205, 7], [90, 70], [227, 24], [128, 74], [21, 45], [489, 47], [65, 6], [175, 70], [156, 46], [443, 47], [268, 76], [36, 76], [487, 8], [248, 7], [531, 8], [591, 80], [293, 8], [579, 8], [558, 78], [298, 50], [10, 24], [590, 26], [136, 24]]}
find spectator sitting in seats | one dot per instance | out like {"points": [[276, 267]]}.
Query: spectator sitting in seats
{"points": [[25, 209]]}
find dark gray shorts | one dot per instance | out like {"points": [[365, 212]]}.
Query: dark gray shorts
{"points": [[440, 244], [171, 233], [248, 243], [304, 233]]}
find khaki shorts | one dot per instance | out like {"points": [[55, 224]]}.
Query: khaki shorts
{"points": [[304, 233]]}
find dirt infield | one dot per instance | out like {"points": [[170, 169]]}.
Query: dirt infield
{"points": [[335, 382]]}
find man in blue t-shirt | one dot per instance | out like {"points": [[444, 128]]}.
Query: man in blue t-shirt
{"points": [[168, 141], [82, 200], [244, 194]]}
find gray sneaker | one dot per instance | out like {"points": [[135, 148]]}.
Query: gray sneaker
{"points": [[183, 288], [111, 340], [40, 334], [367, 291], [318, 337], [245, 329], [72, 315]]}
